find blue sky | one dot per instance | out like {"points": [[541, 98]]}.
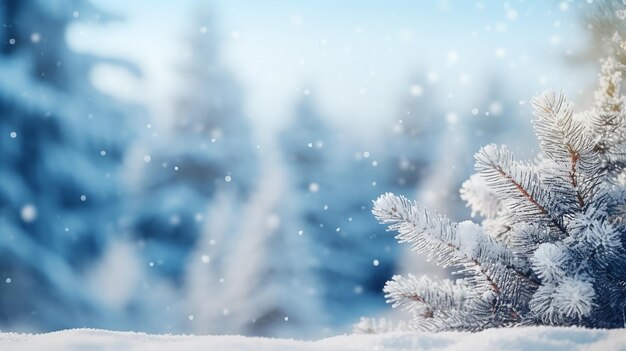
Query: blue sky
{"points": [[358, 59]]}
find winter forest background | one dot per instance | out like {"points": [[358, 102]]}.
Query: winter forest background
{"points": [[209, 167]]}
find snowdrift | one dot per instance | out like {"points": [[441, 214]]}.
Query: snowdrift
{"points": [[528, 338]]}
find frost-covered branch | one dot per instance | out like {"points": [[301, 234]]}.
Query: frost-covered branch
{"points": [[424, 296], [463, 245], [518, 186], [480, 198], [552, 246]]}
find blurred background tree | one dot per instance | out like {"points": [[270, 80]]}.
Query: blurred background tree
{"points": [[205, 148], [61, 151]]}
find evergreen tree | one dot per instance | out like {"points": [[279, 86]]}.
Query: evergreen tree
{"points": [[276, 293], [306, 144], [207, 149], [551, 247], [255, 278], [62, 143], [205, 297], [357, 260], [333, 184]]}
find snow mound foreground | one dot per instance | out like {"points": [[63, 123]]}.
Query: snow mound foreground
{"points": [[529, 338]]}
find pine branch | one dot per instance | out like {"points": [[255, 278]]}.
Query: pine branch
{"points": [[574, 157], [457, 321], [480, 198], [608, 98], [463, 245], [498, 229], [560, 136], [563, 140], [607, 121], [518, 185], [563, 303], [425, 296]]}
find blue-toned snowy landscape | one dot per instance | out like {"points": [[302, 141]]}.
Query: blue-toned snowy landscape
{"points": [[243, 174]]}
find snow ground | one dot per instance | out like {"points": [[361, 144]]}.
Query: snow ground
{"points": [[529, 338]]}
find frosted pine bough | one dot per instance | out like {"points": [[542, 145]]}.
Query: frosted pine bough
{"points": [[551, 247]]}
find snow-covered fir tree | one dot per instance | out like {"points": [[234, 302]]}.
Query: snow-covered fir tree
{"points": [[62, 143], [356, 258], [306, 144], [550, 249], [333, 181], [255, 278], [276, 293], [207, 148], [204, 293]]}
